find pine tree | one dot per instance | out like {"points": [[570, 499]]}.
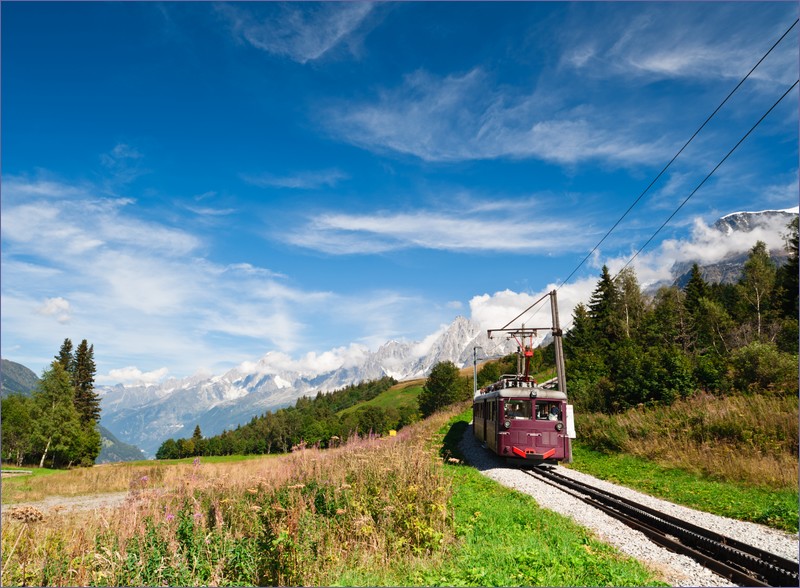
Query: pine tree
{"points": [[696, 288], [787, 277], [65, 356], [86, 399], [602, 307]]}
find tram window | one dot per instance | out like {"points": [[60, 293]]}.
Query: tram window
{"points": [[548, 411], [518, 409]]}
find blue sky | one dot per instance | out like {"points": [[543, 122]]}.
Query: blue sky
{"points": [[192, 185]]}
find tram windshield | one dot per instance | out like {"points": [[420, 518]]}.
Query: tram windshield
{"points": [[548, 411], [518, 409]]}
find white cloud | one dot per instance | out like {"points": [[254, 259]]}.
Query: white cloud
{"points": [[461, 230], [494, 311], [138, 289], [132, 375], [468, 117], [301, 32], [58, 307], [678, 40], [124, 163]]}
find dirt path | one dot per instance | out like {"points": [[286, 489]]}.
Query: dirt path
{"points": [[55, 504]]}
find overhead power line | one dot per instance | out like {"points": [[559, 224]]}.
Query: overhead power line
{"points": [[650, 185], [708, 176], [635, 202]]}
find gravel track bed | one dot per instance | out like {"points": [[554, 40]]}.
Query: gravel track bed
{"points": [[678, 570]]}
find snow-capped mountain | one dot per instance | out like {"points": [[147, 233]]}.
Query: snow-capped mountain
{"points": [[147, 415], [735, 226]]}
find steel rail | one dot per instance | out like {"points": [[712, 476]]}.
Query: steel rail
{"points": [[742, 563]]}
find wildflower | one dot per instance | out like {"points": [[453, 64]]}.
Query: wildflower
{"points": [[144, 479], [170, 516], [196, 461], [198, 516]]}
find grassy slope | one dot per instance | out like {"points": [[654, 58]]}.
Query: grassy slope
{"points": [[401, 394]]}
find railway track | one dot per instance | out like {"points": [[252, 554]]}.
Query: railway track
{"points": [[741, 563]]}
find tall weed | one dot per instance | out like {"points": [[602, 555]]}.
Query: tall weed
{"points": [[752, 439], [297, 520]]}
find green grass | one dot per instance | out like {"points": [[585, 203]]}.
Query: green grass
{"points": [[202, 458], [402, 394], [775, 508], [503, 538]]}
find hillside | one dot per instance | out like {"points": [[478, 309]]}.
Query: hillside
{"points": [[114, 450], [15, 378]]}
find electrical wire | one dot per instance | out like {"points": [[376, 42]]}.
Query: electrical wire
{"points": [[650, 185], [707, 177], [635, 202]]}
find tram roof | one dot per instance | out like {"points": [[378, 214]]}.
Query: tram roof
{"points": [[526, 392]]}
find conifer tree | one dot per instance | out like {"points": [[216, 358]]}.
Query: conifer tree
{"points": [[788, 274], [65, 356], [86, 399], [696, 288], [602, 307]]}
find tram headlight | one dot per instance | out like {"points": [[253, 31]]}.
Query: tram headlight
{"points": [[559, 426], [507, 424]]}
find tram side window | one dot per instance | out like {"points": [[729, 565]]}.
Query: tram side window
{"points": [[548, 411], [518, 409]]}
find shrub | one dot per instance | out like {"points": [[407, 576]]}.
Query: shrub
{"points": [[762, 368]]}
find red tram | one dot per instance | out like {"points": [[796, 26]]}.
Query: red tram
{"points": [[521, 420]]}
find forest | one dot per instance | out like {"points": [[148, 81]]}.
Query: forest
{"points": [[625, 349], [310, 421]]}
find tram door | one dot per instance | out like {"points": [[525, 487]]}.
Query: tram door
{"points": [[550, 424]]}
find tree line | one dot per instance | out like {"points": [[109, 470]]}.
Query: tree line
{"points": [[626, 349], [311, 421], [58, 421]]}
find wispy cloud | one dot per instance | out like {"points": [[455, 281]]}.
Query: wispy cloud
{"points": [[468, 117], [302, 32], [124, 162], [474, 227], [143, 292], [681, 41], [307, 180]]}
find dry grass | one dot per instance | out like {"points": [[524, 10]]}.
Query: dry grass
{"points": [[296, 519], [750, 439]]}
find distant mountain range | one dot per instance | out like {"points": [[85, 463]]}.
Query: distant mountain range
{"points": [[147, 415], [729, 269]]}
